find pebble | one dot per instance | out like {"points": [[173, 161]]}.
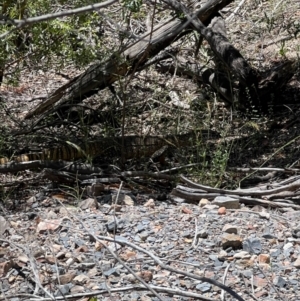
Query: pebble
{"points": [[230, 229], [222, 211]]}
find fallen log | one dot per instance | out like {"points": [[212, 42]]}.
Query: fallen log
{"points": [[102, 74]]}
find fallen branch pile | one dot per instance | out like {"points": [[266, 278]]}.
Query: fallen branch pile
{"points": [[277, 195]]}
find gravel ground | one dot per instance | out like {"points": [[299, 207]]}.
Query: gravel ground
{"points": [[53, 250]]}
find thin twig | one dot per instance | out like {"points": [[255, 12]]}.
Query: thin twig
{"points": [[224, 281]]}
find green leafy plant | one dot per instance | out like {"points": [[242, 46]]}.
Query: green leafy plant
{"points": [[74, 39]]}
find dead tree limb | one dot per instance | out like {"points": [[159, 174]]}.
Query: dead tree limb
{"points": [[227, 53], [102, 74]]}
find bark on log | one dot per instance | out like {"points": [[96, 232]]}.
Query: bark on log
{"points": [[102, 74]]}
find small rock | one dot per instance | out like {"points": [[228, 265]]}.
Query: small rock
{"points": [[144, 235], [68, 210], [70, 261], [95, 189], [213, 257], [17, 237], [48, 226], [67, 278], [51, 215], [227, 202], [248, 273], [279, 281], [81, 279], [186, 210], [38, 253], [297, 263], [264, 214], [128, 201], [31, 200], [110, 272], [275, 252], [252, 245], [203, 287], [114, 225], [288, 249], [288, 246], [222, 211], [264, 258], [62, 290], [23, 258], [150, 203], [85, 266], [296, 233], [222, 255], [262, 293], [202, 234], [76, 289], [230, 229], [82, 249], [50, 259], [259, 282], [268, 236], [242, 255], [203, 202], [88, 204], [231, 240]]}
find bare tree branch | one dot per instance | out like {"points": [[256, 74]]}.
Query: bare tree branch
{"points": [[47, 17]]}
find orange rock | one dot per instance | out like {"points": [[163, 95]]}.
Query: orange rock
{"points": [[186, 210], [222, 211], [82, 249], [264, 258]]}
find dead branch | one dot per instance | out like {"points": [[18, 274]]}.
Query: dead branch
{"points": [[102, 74], [228, 54], [199, 188], [248, 196]]}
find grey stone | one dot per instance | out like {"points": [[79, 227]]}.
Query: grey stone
{"points": [[88, 203], [252, 245], [111, 271], [230, 229], [279, 281], [86, 265], [202, 234], [268, 236], [227, 202], [297, 263], [203, 287], [248, 273], [140, 227], [143, 235]]}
